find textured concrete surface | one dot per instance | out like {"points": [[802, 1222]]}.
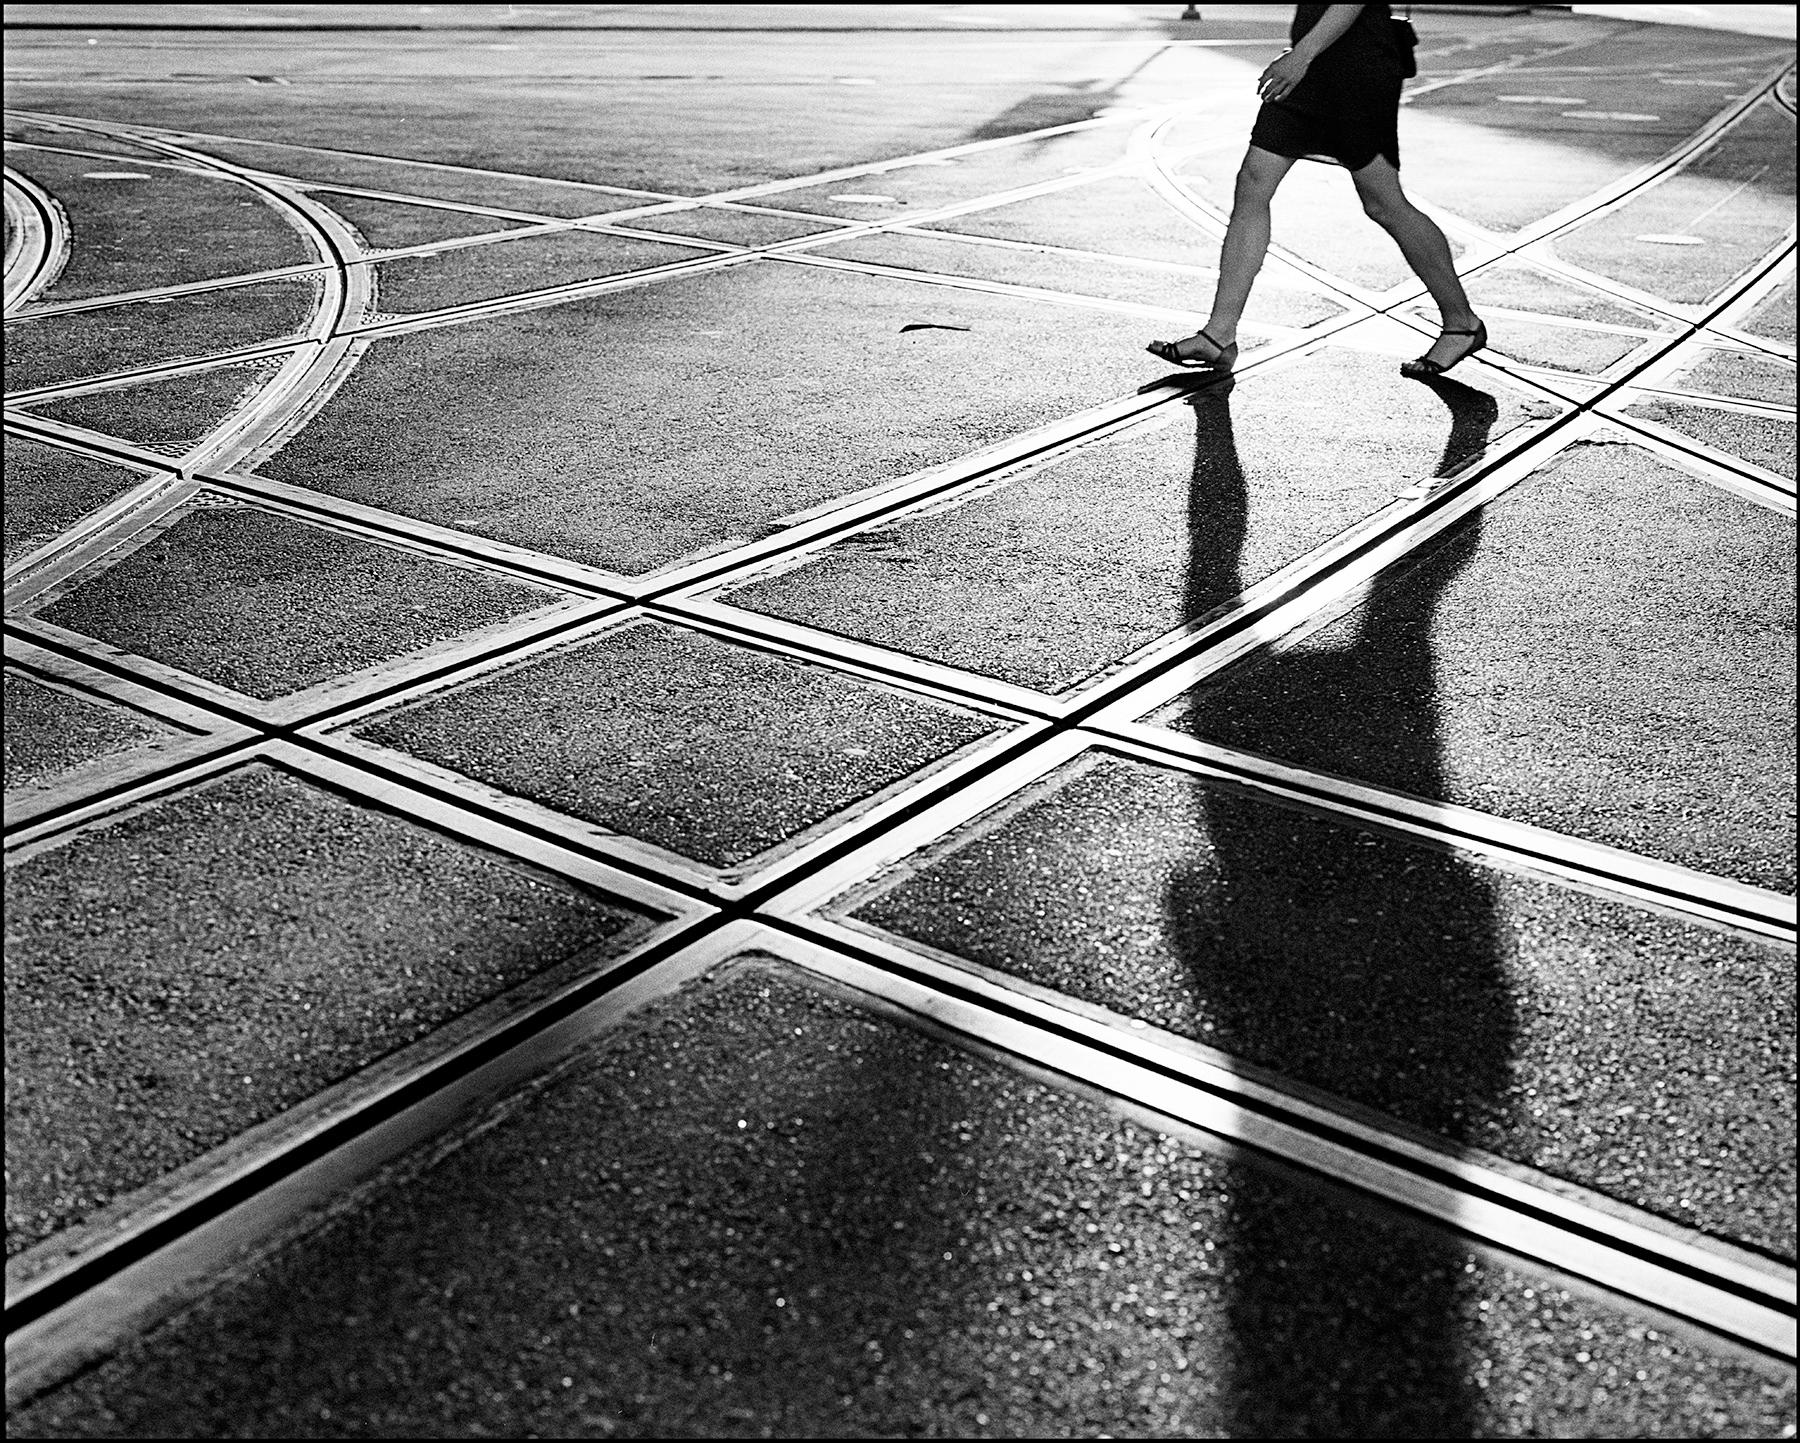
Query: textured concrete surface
{"points": [[1604, 648], [49, 732], [471, 273], [1765, 441], [851, 401], [767, 1211], [285, 936], [77, 345], [1583, 659], [169, 416], [392, 224], [1639, 1056], [49, 489], [704, 748], [1050, 579], [268, 605], [1725, 373], [196, 228]]}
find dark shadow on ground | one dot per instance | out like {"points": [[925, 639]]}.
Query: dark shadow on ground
{"points": [[1362, 967]]}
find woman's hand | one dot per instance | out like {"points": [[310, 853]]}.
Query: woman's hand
{"points": [[1283, 74]]}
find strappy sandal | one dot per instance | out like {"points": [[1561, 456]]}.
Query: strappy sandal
{"points": [[1222, 359], [1423, 368]]}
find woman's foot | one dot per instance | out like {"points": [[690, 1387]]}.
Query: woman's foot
{"points": [[1454, 343], [1198, 350]]}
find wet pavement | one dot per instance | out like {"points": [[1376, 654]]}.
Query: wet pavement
{"points": [[657, 784]]}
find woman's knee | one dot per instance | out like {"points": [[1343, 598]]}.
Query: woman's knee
{"points": [[1255, 186]]}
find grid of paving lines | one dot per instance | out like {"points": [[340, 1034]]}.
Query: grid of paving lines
{"points": [[683, 835]]}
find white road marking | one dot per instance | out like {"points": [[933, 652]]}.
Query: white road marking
{"points": [[1542, 99], [115, 175], [1671, 240], [1608, 115]]}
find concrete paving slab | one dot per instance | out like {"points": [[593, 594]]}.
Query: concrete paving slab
{"points": [[166, 227], [710, 750], [1774, 318], [766, 1210], [495, 428], [1555, 348], [54, 350], [393, 225], [1618, 1049], [1765, 441], [49, 489], [1066, 569], [1584, 657], [191, 969], [440, 279], [1520, 286], [267, 605], [50, 732], [1733, 373], [1086, 274], [170, 416], [1737, 200]]}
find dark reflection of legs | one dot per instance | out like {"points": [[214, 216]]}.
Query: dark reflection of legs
{"points": [[1355, 963]]}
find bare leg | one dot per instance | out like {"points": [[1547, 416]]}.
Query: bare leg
{"points": [[1246, 240], [1425, 249]]}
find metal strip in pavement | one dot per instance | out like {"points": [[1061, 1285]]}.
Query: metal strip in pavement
{"points": [[161, 371], [144, 494], [204, 734], [144, 506], [1711, 400], [359, 256], [1772, 488], [1334, 571], [131, 131], [1722, 1288], [1018, 291], [1615, 193], [854, 657], [40, 245], [165, 1243], [1668, 886]]}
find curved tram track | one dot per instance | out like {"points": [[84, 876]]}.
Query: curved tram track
{"points": [[126, 1275]]}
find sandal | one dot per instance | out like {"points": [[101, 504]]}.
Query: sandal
{"points": [[1423, 368], [1222, 359]]}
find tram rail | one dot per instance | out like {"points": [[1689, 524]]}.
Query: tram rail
{"points": [[171, 1243]]}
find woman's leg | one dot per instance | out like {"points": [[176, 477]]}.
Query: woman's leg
{"points": [[1425, 249], [1246, 240]]}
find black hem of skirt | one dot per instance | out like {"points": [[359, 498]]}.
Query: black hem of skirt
{"points": [[1283, 130]]}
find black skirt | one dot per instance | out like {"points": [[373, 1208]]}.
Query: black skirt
{"points": [[1346, 108]]}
